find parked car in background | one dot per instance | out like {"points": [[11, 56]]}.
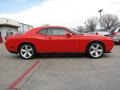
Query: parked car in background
{"points": [[0, 39], [102, 32], [58, 39], [115, 34]]}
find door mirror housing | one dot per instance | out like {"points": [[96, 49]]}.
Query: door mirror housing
{"points": [[68, 35]]}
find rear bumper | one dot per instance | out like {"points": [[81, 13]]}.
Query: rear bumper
{"points": [[11, 48]]}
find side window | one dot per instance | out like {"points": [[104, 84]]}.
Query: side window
{"points": [[57, 31], [53, 31], [44, 31]]}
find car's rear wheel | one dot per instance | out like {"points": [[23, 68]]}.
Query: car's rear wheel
{"points": [[27, 51], [95, 50]]}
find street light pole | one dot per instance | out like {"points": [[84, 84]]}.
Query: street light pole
{"points": [[100, 11], [85, 27]]}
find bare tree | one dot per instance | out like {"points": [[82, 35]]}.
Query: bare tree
{"points": [[92, 23], [80, 29], [109, 21]]}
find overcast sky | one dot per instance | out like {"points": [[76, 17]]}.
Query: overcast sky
{"points": [[71, 13]]}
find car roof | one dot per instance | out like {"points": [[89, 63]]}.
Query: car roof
{"points": [[52, 27], [34, 30]]}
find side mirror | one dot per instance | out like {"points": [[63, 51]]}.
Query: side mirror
{"points": [[68, 35]]}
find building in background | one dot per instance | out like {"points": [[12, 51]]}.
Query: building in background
{"points": [[24, 28], [12, 27]]}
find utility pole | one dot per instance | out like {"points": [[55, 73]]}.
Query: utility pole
{"points": [[100, 11], [85, 27]]}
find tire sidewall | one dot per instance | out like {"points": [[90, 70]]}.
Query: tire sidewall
{"points": [[88, 49], [33, 54]]}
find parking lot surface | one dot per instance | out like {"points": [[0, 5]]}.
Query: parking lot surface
{"points": [[55, 72]]}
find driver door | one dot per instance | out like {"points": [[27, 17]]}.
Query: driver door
{"points": [[56, 40]]}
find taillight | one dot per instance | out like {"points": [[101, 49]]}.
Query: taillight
{"points": [[115, 33], [0, 39]]}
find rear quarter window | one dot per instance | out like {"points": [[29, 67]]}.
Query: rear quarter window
{"points": [[44, 31]]}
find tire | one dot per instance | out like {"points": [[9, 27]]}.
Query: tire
{"points": [[119, 42], [95, 50], [27, 51]]}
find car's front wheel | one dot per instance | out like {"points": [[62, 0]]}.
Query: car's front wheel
{"points": [[27, 51], [95, 50]]}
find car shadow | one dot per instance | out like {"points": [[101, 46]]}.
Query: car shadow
{"points": [[62, 56], [66, 55]]}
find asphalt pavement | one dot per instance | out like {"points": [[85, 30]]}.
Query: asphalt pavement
{"points": [[61, 72]]}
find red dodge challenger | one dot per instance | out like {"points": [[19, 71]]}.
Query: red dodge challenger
{"points": [[58, 39]]}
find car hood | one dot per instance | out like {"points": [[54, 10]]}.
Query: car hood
{"points": [[96, 37]]}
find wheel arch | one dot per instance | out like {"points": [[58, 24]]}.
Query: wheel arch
{"points": [[25, 43], [95, 42]]}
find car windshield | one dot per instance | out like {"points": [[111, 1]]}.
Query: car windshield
{"points": [[113, 30], [74, 31], [103, 30]]}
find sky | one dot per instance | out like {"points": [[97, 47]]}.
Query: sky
{"points": [[11, 6], [70, 13]]}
